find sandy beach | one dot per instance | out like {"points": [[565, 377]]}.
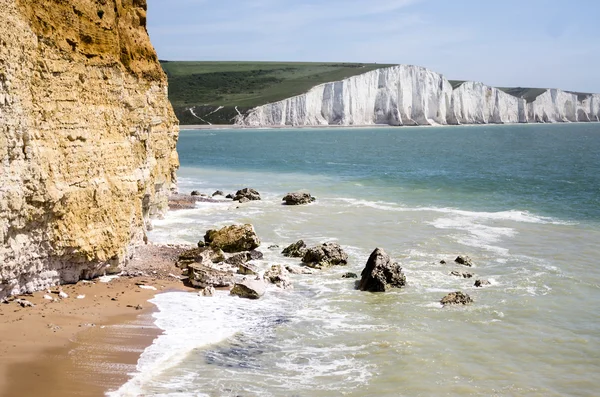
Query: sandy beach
{"points": [[89, 345]]}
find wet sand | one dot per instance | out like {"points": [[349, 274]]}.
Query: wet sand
{"points": [[84, 347]]}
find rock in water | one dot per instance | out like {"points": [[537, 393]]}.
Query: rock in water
{"points": [[456, 298], [208, 291], [298, 270], [464, 260], [250, 289], [246, 194], [482, 283], [350, 275], [201, 276], [325, 255], [232, 239], [247, 269], [218, 193], [380, 274], [461, 274], [279, 276], [296, 250], [298, 198]]}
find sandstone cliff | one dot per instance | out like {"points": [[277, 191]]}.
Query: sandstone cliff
{"points": [[412, 95], [87, 138]]}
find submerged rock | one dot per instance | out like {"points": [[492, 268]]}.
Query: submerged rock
{"points": [[456, 298], [249, 289], [279, 276], [232, 239], [380, 273], [464, 260], [298, 198], [296, 250], [325, 255], [298, 270], [350, 275], [482, 283], [208, 291], [246, 194], [461, 274]]}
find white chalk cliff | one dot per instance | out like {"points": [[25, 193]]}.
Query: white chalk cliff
{"points": [[413, 95]]}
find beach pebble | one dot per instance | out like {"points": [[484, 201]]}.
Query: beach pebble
{"points": [[48, 297], [148, 287], [63, 294], [80, 296]]}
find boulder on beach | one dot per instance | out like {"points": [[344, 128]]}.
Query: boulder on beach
{"points": [[381, 273], [296, 250], [246, 194], [218, 193], [201, 276], [464, 260], [298, 198], [461, 274], [204, 255], [279, 276], [482, 283], [325, 255], [249, 289], [247, 269], [232, 239], [456, 298]]}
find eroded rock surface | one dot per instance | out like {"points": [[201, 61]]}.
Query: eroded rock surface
{"points": [[235, 238], [456, 298], [249, 289], [298, 198], [325, 255], [296, 250], [87, 139]]}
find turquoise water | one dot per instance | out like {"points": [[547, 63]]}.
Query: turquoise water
{"points": [[522, 201]]}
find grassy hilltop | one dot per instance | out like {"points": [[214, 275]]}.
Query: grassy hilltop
{"points": [[213, 90], [205, 86]]}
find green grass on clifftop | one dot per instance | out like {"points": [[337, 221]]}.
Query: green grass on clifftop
{"points": [[206, 86]]}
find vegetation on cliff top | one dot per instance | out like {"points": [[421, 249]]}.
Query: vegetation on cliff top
{"points": [[207, 86]]}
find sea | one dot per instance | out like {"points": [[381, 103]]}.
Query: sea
{"points": [[522, 201]]}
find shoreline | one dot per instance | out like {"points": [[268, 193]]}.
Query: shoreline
{"points": [[200, 127], [87, 346]]}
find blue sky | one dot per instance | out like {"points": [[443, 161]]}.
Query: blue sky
{"points": [[528, 43]]}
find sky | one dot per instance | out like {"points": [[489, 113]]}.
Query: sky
{"points": [[503, 43]]}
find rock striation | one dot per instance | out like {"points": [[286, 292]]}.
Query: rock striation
{"points": [[413, 95], [87, 139]]}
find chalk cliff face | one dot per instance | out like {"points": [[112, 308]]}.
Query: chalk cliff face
{"points": [[87, 138], [412, 95]]}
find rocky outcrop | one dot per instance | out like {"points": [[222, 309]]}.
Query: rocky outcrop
{"points": [[202, 276], [482, 283], [298, 198], [279, 276], [246, 194], [87, 139], [325, 255], [464, 260], [249, 289], [296, 250], [412, 95], [461, 274], [381, 273], [456, 298], [235, 238]]}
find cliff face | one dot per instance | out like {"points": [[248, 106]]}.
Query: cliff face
{"points": [[412, 95], [87, 138]]}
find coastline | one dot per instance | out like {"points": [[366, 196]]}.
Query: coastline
{"points": [[87, 346], [194, 127]]}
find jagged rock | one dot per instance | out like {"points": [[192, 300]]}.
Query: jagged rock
{"points": [[195, 193], [201, 244], [298, 198], [246, 194], [230, 196], [255, 255], [464, 260], [238, 259], [482, 283], [249, 289], [218, 193], [298, 270], [350, 275], [456, 298], [247, 269], [279, 276], [380, 273], [325, 255], [208, 291], [204, 255], [461, 274], [201, 276], [231, 239], [296, 250]]}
